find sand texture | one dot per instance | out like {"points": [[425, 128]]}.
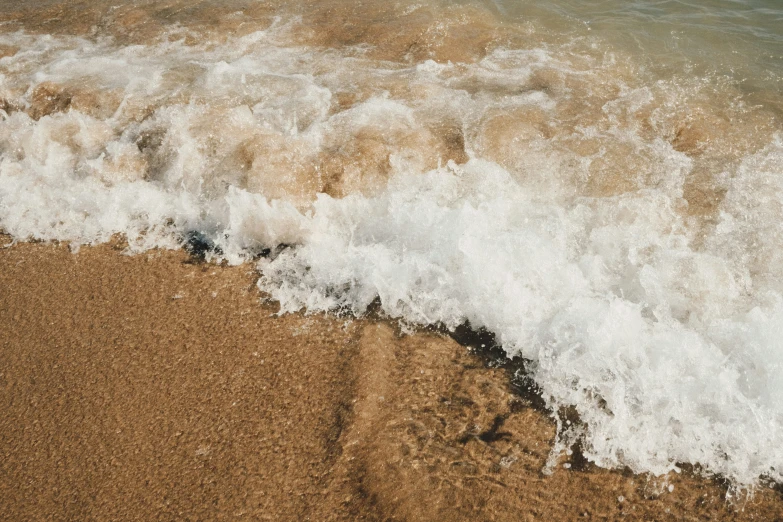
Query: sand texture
{"points": [[158, 388]]}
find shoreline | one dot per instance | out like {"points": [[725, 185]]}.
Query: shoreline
{"points": [[156, 387]]}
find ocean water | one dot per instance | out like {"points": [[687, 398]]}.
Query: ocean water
{"points": [[600, 184]]}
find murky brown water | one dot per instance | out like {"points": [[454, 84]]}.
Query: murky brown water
{"points": [[585, 87]]}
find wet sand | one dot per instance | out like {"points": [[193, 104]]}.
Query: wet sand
{"points": [[154, 387]]}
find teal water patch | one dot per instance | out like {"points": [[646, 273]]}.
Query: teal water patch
{"points": [[741, 39]]}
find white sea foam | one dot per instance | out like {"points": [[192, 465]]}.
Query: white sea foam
{"points": [[565, 232], [668, 354]]}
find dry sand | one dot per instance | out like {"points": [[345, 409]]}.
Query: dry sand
{"points": [[157, 388]]}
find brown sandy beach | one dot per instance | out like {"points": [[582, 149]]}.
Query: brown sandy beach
{"points": [[157, 388]]}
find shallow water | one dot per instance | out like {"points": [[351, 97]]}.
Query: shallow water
{"points": [[741, 38], [599, 184]]}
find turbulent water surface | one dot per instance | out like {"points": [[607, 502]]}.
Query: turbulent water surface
{"points": [[600, 184]]}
